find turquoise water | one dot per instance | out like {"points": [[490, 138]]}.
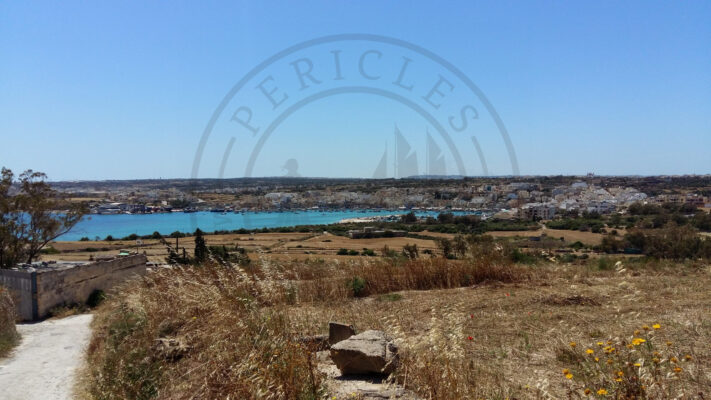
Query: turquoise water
{"points": [[122, 225]]}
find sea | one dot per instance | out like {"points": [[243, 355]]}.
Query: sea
{"points": [[97, 226]]}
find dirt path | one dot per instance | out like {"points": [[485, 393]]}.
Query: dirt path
{"points": [[44, 365]]}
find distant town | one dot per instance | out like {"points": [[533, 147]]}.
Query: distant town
{"points": [[530, 198]]}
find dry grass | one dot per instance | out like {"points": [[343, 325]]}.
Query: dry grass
{"points": [[468, 329], [8, 333]]}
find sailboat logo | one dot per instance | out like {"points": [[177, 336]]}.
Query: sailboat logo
{"points": [[405, 163]]}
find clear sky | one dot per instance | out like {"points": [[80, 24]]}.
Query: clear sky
{"points": [[122, 90]]}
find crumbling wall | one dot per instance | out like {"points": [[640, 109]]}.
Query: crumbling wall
{"points": [[74, 285], [19, 284], [36, 293]]}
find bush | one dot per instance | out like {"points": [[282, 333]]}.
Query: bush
{"points": [[49, 250], [342, 252], [8, 333], [644, 364], [368, 252], [357, 286], [221, 326]]}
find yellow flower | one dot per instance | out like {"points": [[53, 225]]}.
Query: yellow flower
{"points": [[687, 357], [587, 391], [645, 327], [669, 343], [674, 360], [609, 361], [656, 326], [597, 359], [677, 370], [638, 341], [569, 376], [629, 346], [566, 371], [655, 360], [573, 344], [602, 392], [637, 364], [636, 332], [599, 343], [620, 373], [618, 379], [590, 351]]}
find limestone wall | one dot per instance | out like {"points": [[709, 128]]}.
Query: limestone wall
{"points": [[36, 293], [74, 285], [19, 284]]}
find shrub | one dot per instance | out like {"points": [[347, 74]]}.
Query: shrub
{"points": [[644, 364], [357, 286], [8, 333], [368, 252], [342, 252], [228, 344], [49, 250]]}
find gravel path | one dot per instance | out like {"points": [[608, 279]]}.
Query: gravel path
{"points": [[44, 365]]}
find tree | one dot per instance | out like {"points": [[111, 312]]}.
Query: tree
{"points": [[200, 246], [410, 251], [409, 218], [30, 217], [445, 246]]}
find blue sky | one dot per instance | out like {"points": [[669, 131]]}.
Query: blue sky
{"points": [[109, 90]]}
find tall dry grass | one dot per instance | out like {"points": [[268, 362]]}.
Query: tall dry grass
{"points": [[8, 332], [218, 332]]}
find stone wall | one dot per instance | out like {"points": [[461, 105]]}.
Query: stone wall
{"points": [[36, 293], [19, 284]]}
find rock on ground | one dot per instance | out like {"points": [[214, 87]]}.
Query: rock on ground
{"points": [[44, 365], [361, 387], [370, 352]]}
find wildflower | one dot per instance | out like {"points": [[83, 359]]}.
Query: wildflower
{"points": [[597, 359], [568, 376], [573, 344], [587, 392], [645, 327], [602, 392], [470, 338], [687, 357], [674, 360], [677, 370], [637, 364], [638, 341], [620, 373], [669, 343], [599, 344], [471, 316], [609, 361], [629, 346], [609, 342], [618, 379], [590, 351], [656, 326], [636, 332], [655, 360], [566, 371]]}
